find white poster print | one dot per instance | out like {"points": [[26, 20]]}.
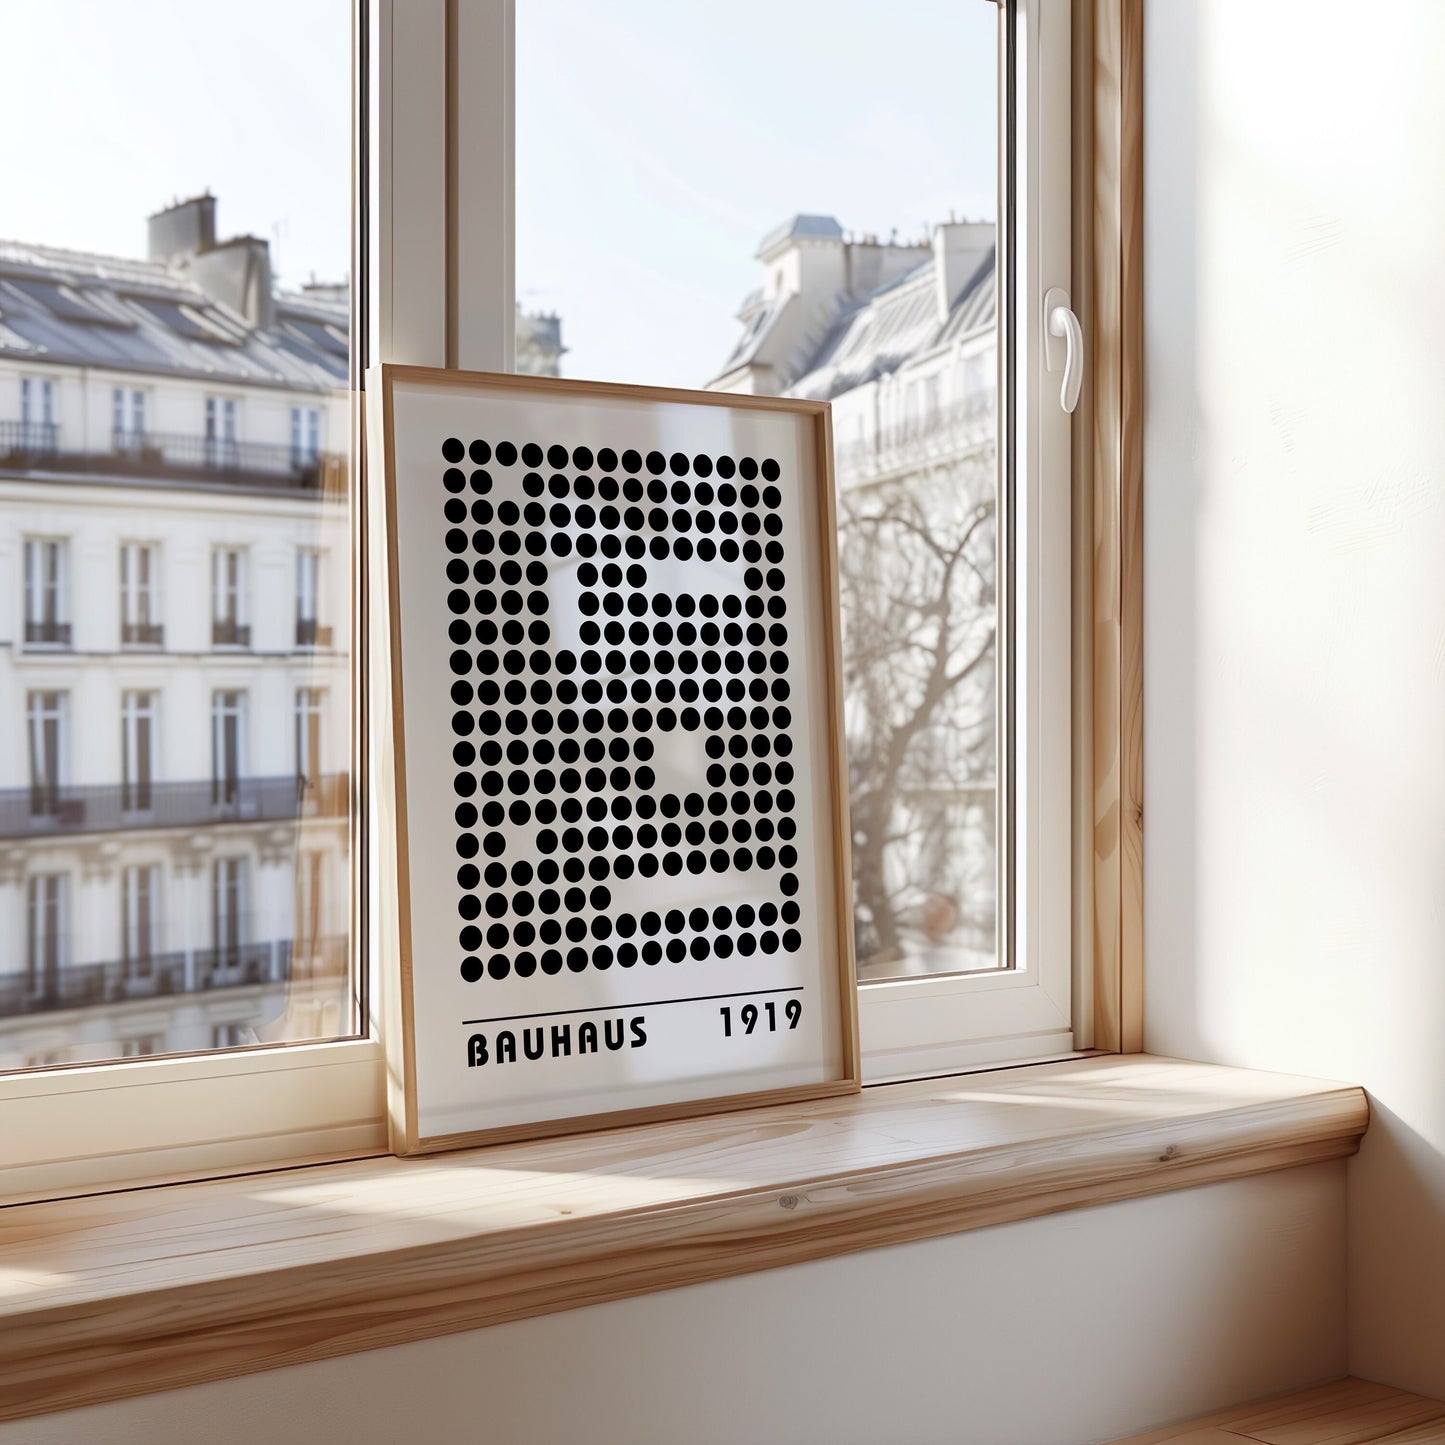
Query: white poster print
{"points": [[618, 752]]}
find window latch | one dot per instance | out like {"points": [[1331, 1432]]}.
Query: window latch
{"points": [[1063, 345]]}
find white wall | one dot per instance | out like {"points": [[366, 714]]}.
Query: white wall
{"points": [[1295, 585], [1078, 1328]]}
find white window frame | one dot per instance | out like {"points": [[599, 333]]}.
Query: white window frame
{"points": [[308, 719], [74, 1129], [305, 435], [928, 1025], [230, 590], [128, 407], [139, 705], [37, 714], [140, 882], [922, 1025], [308, 585], [229, 705], [39, 551], [140, 595], [34, 884], [33, 389], [439, 273]]}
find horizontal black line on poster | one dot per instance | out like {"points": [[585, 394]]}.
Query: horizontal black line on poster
{"points": [[650, 1003]]}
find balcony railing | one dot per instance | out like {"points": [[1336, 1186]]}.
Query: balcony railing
{"points": [[935, 436], [47, 634], [116, 807], [40, 439], [142, 634], [227, 632], [310, 633], [165, 975], [174, 456]]}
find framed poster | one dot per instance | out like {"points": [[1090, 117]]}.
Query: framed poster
{"points": [[619, 839]]}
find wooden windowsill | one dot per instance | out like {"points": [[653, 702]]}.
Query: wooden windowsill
{"points": [[120, 1294]]}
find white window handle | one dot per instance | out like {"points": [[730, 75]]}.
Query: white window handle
{"points": [[1060, 324]]}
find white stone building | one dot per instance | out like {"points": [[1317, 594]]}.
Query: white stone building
{"points": [[175, 583], [902, 340]]}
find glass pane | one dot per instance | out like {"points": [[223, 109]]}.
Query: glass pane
{"points": [[175, 529], [801, 201]]}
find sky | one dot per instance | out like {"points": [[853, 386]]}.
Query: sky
{"points": [[657, 142], [126, 107]]}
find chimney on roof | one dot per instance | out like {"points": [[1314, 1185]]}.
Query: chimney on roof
{"points": [[959, 249], [183, 229], [237, 273]]}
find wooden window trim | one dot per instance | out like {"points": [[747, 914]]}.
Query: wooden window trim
{"points": [[151, 1289], [1109, 512]]}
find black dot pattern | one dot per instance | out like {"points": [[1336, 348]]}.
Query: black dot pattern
{"points": [[556, 736]]}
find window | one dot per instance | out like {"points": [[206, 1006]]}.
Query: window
{"points": [[305, 435], [228, 722], [221, 449], [309, 632], [138, 751], [229, 625], [128, 419], [47, 715], [140, 892], [142, 1046], [46, 903], [38, 432], [953, 511], [140, 619], [47, 618], [166, 382], [308, 742], [309, 936], [258, 947], [229, 930]]}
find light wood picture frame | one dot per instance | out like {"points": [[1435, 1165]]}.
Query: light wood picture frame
{"points": [[613, 806]]}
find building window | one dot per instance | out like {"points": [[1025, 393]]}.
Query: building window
{"points": [[38, 432], [229, 627], [305, 435], [138, 751], [221, 448], [46, 899], [228, 721], [140, 890], [47, 718], [140, 613], [308, 742], [141, 1046], [47, 570], [309, 632], [306, 945], [128, 419], [229, 880], [232, 1036]]}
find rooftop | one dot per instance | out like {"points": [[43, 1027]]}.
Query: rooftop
{"points": [[80, 309]]}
